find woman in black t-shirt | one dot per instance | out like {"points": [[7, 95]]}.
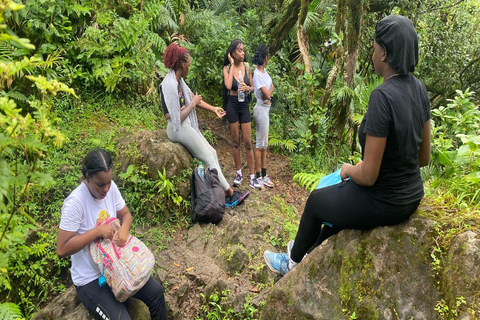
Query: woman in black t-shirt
{"points": [[385, 188]]}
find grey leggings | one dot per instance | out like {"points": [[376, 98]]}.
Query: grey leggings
{"points": [[262, 121], [198, 146]]}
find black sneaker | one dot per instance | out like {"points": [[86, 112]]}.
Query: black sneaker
{"points": [[236, 199]]}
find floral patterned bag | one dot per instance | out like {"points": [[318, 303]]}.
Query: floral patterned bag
{"points": [[127, 268]]}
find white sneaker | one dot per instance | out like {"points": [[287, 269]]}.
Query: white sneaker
{"points": [[266, 181], [256, 184]]}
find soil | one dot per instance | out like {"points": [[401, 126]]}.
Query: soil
{"points": [[278, 168]]}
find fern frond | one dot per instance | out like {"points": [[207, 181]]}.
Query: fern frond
{"points": [[155, 41], [5, 52], [308, 181], [161, 15], [10, 311], [285, 144]]}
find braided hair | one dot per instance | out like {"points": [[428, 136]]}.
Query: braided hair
{"points": [[95, 161], [174, 56]]}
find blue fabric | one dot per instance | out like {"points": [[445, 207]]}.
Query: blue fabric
{"points": [[330, 180]]}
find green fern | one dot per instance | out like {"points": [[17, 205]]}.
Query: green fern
{"points": [[285, 144], [161, 15], [10, 311], [155, 41], [308, 181]]}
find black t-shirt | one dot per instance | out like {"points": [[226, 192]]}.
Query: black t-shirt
{"points": [[397, 110], [181, 99]]}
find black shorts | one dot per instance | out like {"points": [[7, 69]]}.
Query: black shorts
{"points": [[238, 111]]}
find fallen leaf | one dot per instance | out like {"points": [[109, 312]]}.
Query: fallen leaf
{"points": [[176, 264], [189, 269], [175, 288], [253, 289]]}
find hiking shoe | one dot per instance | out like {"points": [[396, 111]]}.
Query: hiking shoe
{"points": [[236, 199], [277, 262], [238, 180], [266, 181], [255, 184]]}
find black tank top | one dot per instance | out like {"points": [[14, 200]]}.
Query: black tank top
{"points": [[246, 79]]}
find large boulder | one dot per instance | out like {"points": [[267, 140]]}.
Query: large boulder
{"points": [[383, 273], [67, 306], [154, 150], [461, 279]]}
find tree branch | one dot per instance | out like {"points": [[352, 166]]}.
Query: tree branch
{"points": [[283, 27]]}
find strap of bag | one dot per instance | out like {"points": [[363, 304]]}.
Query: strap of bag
{"points": [[193, 215]]}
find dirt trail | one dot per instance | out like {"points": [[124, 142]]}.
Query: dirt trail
{"points": [[277, 164]]}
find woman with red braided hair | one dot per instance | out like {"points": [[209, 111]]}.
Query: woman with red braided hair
{"points": [[179, 104]]}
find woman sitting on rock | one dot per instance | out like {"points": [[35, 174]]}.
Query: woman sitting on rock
{"points": [[179, 104], [98, 196], [385, 188]]}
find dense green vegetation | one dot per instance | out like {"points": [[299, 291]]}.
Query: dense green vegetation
{"points": [[76, 74]]}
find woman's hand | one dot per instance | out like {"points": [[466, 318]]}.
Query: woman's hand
{"points": [[344, 171], [219, 112], [106, 231], [197, 99], [121, 237], [230, 58], [242, 87]]}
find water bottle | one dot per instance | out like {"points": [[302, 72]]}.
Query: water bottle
{"points": [[241, 95], [201, 171]]}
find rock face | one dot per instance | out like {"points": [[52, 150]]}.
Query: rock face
{"points": [[67, 306], [157, 152], [462, 275], [383, 273]]}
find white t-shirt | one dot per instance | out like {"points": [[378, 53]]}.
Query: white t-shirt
{"points": [[80, 212], [261, 79]]}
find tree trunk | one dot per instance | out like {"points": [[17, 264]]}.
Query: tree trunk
{"points": [[283, 27], [302, 37], [349, 21]]}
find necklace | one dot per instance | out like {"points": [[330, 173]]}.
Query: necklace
{"points": [[393, 75]]}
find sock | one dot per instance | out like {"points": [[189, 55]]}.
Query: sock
{"points": [[258, 175], [239, 172], [264, 172], [252, 176], [291, 263]]}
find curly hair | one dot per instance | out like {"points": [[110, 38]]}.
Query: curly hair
{"points": [[174, 56], [260, 54]]}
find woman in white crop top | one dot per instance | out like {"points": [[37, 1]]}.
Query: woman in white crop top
{"points": [[263, 89]]}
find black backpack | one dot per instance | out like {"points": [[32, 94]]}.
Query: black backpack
{"points": [[207, 197]]}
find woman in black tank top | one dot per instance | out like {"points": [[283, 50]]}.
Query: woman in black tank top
{"points": [[238, 112]]}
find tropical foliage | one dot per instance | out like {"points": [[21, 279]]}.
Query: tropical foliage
{"points": [[74, 74]]}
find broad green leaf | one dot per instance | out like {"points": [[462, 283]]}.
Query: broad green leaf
{"points": [[445, 158]]}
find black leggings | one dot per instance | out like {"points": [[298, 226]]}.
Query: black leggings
{"points": [[346, 206], [101, 302]]}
